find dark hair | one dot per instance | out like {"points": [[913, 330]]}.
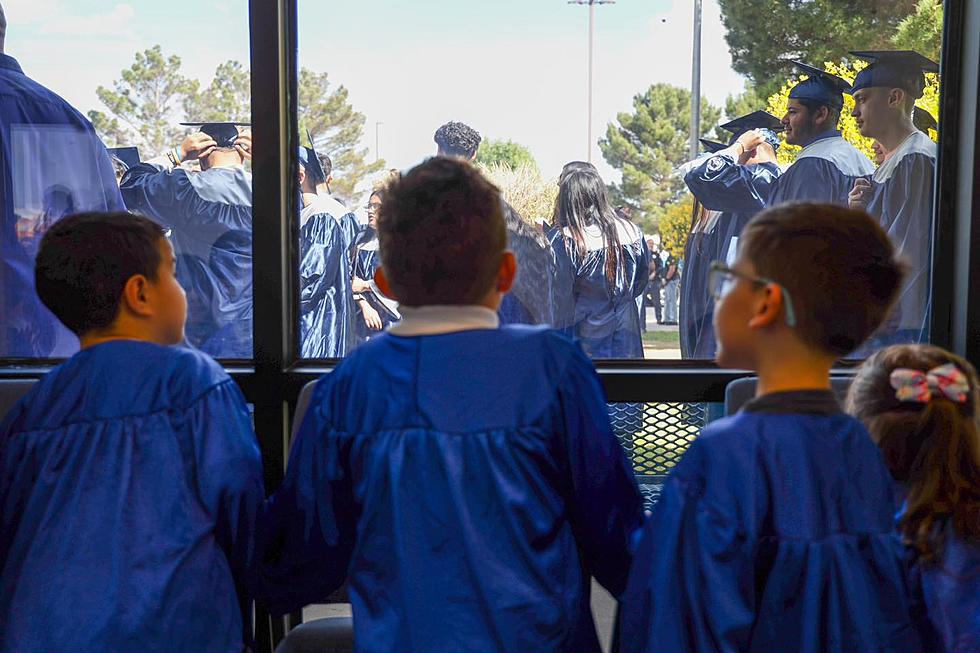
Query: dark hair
{"points": [[837, 264], [812, 106], [85, 260], [326, 164], [457, 139], [932, 448], [441, 234], [575, 166], [582, 202]]}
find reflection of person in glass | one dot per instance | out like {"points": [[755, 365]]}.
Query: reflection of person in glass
{"points": [[608, 262], [326, 236], [720, 214], [531, 300], [900, 191], [200, 208], [377, 310], [51, 162]]}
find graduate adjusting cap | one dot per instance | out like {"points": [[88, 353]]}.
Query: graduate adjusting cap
{"points": [[224, 133], [894, 69], [923, 120], [130, 156], [311, 161], [768, 123], [820, 86], [712, 146]]}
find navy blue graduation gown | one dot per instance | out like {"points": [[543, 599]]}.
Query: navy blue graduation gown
{"points": [[467, 484], [531, 299], [773, 533], [367, 260], [130, 480], [327, 313], [715, 240], [902, 198], [209, 214], [52, 164], [604, 317]]}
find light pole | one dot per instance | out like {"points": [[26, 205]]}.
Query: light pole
{"points": [[696, 82], [592, 4], [377, 140]]}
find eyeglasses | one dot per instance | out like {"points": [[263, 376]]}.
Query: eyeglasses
{"points": [[374, 206], [721, 280]]}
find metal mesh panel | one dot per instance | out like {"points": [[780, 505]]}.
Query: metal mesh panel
{"points": [[655, 436]]}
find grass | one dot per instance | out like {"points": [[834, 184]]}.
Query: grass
{"points": [[662, 339]]}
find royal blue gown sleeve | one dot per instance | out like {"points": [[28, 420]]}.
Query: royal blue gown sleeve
{"points": [[326, 296], [721, 184], [692, 585], [812, 179], [606, 508], [308, 528], [166, 196]]}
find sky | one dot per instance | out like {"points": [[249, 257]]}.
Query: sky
{"points": [[512, 69]]}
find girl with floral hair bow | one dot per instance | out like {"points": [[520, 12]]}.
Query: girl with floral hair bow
{"points": [[919, 405]]}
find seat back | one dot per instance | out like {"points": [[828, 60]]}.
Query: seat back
{"points": [[11, 391], [330, 635], [740, 391], [302, 405]]}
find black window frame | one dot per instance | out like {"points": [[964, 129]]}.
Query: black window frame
{"points": [[272, 381]]}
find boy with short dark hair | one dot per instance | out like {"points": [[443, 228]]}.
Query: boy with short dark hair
{"points": [[463, 475], [774, 532], [129, 476]]}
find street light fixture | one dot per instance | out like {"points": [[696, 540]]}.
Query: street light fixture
{"points": [[592, 4]]}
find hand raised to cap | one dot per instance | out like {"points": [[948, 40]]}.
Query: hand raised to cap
{"points": [[196, 146], [244, 144], [860, 195], [750, 140]]}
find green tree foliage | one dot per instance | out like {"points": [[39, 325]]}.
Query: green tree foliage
{"points": [[923, 30], [142, 105], [648, 145], [504, 152], [328, 114], [227, 98], [764, 35], [744, 103]]}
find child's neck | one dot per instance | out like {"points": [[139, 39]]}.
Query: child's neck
{"points": [[118, 331], [798, 371]]}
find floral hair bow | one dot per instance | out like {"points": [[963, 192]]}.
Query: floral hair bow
{"points": [[945, 381]]}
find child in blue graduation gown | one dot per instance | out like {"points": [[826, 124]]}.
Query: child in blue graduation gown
{"points": [[463, 476], [919, 402], [129, 476], [773, 533]]}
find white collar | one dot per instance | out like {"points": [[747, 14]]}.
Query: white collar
{"points": [[914, 143], [438, 319]]}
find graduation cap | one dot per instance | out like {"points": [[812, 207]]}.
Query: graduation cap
{"points": [[923, 120], [768, 123], [894, 69], [712, 146], [224, 133], [128, 156], [821, 87], [311, 161]]}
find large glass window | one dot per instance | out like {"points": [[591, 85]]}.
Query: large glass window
{"points": [[610, 85], [81, 76]]}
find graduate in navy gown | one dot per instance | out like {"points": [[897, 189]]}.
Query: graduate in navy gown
{"points": [[718, 219], [774, 531], [919, 403], [202, 210], [327, 231], [532, 299], [52, 164], [605, 261], [130, 477], [376, 311], [900, 193], [461, 474], [826, 168]]}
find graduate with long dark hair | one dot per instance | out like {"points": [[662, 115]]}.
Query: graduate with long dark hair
{"points": [[607, 260]]}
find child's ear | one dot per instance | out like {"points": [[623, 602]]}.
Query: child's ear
{"points": [[136, 296], [767, 311], [382, 281], [507, 272]]}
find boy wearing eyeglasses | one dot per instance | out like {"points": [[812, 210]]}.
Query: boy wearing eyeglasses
{"points": [[774, 532]]}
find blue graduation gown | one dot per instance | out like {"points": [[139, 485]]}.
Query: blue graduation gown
{"points": [[52, 164], [604, 318], [367, 260], [714, 241], [129, 484], [327, 313], [773, 533], [951, 591], [531, 299], [902, 198], [468, 503], [209, 214]]}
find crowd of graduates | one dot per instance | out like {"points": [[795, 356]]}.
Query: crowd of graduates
{"points": [[458, 470]]}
